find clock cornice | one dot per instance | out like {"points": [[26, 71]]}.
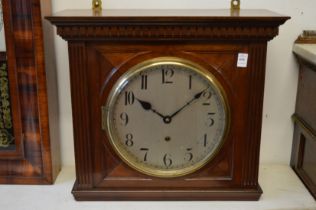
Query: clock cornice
{"points": [[167, 25]]}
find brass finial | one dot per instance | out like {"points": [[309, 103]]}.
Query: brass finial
{"points": [[235, 5], [97, 5]]}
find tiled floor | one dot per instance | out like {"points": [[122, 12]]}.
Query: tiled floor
{"points": [[282, 191]]}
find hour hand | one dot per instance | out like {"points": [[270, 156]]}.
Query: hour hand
{"points": [[148, 107]]}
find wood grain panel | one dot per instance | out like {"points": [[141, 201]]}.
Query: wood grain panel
{"points": [[252, 146], [80, 107], [37, 158]]}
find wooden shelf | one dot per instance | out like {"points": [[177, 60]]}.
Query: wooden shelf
{"points": [[282, 190]]}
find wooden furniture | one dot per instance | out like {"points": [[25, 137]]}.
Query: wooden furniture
{"points": [[103, 47], [34, 156], [303, 159]]}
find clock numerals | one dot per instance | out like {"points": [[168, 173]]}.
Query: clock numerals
{"points": [[167, 75], [189, 154], [144, 81], [136, 99], [129, 98], [205, 140], [167, 160], [146, 153], [207, 95], [210, 119], [129, 140], [124, 118]]}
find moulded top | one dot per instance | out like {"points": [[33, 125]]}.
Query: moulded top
{"points": [[166, 15], [167, 25]]}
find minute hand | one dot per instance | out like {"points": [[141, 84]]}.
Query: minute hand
{"points": [[196, 97]]}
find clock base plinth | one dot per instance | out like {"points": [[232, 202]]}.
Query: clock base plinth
{"points": [[241, 194]]}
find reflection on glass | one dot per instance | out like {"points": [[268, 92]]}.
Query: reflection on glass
{"points": [[2, 40]]}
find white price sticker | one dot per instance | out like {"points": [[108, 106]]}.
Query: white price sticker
{"points": [[242, 60]]}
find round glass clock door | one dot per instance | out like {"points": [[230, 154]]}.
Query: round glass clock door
{"points": [[167, 117]]}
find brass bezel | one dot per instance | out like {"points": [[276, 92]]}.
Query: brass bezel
{"points": [[120, 84]]}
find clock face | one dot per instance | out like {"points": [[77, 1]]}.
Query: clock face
{"points": [[166, 117]]}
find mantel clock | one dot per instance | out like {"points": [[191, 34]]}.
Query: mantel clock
{"points": [[167, 104]]}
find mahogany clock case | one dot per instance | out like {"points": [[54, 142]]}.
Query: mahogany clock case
{"points": [[34, 157], [102, 48]]}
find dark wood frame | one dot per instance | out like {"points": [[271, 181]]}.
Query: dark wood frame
{"points": [[33, 85], [18, 153]]}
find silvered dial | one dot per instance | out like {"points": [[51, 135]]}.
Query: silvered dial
{"points": [[167, 117]]}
